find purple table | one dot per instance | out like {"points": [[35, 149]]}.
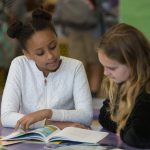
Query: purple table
{"points": [[114, 140], [111, 139]]}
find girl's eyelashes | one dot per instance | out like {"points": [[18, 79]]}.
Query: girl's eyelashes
{"points": [[40, 53], [111, 68], [52, 46]]}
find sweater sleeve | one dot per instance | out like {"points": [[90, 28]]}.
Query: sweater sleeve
{"points": [[136, 133], [83, 112], [12, 98], [104, 118]]}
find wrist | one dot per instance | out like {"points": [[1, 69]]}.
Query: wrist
{"points": [[48, 113]]}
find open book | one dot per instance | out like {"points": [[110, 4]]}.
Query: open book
{"points": [[51, 133]]}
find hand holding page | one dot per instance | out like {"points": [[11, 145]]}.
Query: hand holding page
{"points": [[41, 134], [51, 133]]}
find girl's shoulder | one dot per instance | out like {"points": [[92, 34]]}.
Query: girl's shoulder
{"points": [[68, 60], [21, 62], [144, 97], [20, 59], [70, 63]]}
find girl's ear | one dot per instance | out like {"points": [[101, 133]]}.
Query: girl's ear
{"points": [[27, 54]]}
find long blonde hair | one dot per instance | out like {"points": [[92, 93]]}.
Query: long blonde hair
{"points": [[126, 45]]}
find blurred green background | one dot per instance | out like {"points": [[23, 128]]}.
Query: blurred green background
{"points": [[136, 13]]}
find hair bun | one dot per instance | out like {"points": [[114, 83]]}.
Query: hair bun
{"points": [[15, 29], [41, 14]]}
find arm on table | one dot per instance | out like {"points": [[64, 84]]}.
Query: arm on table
{"points": [[136, 133], [104, 118]]}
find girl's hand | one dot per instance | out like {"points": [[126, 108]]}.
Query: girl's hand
{"points": [[78, 125], [31, 118], [61, 125]]}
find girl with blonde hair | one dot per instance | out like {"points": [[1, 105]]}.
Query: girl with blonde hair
{"points": [[124, 53]]}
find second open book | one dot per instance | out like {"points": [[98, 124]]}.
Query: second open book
{"points": [[52, 133]]}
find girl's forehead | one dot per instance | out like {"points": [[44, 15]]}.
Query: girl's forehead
{"points": [[106, 60], [40, 39], [43, 34]]}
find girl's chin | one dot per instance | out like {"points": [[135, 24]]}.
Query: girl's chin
{"points": [[116, 81], [53, 67]]}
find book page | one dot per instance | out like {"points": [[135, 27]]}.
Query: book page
{"points": [[4, 143], [44, 132], [37, 134], [79, 135]]}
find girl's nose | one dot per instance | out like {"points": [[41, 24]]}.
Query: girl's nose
{"points": [[49, 54], [106, 72]]}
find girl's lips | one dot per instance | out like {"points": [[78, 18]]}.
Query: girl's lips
{"points": [[52, 62]]}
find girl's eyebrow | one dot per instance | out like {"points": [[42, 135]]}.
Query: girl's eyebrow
{"points": [[52, 42], [39, 49], [111, 67]]}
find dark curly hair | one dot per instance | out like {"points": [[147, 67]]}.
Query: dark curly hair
{"points": [[40, 20]]}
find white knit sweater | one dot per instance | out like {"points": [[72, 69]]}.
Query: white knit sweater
{"points": [[66, 92]]}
